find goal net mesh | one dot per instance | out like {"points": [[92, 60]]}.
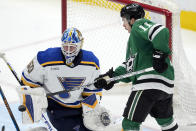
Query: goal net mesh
{"points": [[100, 23]]}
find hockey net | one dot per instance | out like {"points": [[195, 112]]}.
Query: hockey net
{"points": [[100, 23]]}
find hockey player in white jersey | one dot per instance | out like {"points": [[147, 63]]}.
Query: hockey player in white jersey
{"points": [[64, 68]]}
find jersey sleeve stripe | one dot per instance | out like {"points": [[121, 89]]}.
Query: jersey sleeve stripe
{"points": [[90, 63], [52, 63], [154, 30], [90, 93], [29, 82]]}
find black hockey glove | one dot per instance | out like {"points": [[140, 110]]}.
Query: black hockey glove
{"points": [[158, 61], [101, 80]]}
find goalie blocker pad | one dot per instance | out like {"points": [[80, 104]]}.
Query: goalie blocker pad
{"points": [[95, 116], [35, 101]]}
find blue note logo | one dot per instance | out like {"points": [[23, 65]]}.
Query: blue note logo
{"points": [[70, 84]]}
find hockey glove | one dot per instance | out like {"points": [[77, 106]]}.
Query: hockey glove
{"points": [[95, 116], [101, 82], [158, 62]]}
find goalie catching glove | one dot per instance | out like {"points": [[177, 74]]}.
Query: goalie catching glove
{"points": [[101, 82], [35, 101], [95, 116]]}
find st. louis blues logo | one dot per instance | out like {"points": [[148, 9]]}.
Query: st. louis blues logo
{"points": [[70, 84]]}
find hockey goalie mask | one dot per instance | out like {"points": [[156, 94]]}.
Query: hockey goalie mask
{"points": [[72, 41]]}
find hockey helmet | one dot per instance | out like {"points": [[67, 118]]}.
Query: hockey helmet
{"points": [[132, 10], [72, 41]]}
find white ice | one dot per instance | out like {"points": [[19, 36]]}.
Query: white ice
{"points": [[27, 26]]}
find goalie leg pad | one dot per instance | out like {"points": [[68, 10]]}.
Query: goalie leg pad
{"points": [[35, 101]]}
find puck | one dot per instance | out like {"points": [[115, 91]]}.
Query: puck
{"points": [[22, 108]]}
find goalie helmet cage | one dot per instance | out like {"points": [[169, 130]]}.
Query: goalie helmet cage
{"points": [[100, 20]]}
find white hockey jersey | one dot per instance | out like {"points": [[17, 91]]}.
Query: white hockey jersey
{"points": [[48, 69]]}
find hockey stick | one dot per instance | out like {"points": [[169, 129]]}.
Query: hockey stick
{"points": [[9, 110], [108, 80], [22, 107], [2, 55]]}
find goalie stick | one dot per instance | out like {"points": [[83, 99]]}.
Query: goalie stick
{"points": [[9, 110], [108, 80], [2, 55], [22, 107]]}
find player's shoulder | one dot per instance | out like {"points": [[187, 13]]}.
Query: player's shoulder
{"points": [[49, 55], [146, 24], [89, 58], [149, 28]]}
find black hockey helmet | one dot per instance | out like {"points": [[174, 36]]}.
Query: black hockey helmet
{"points": [[132, 10]]}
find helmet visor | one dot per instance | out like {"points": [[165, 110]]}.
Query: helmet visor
{"points": [[69, 48]]}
